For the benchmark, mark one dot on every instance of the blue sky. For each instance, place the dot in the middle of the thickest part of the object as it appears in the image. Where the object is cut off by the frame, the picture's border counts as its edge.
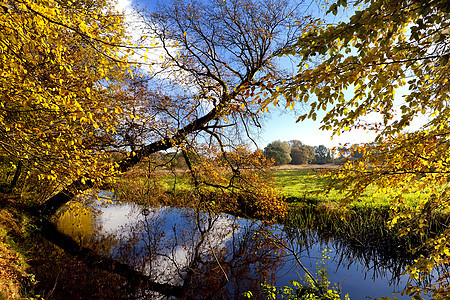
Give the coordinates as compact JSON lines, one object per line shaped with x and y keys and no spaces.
{"x":281,"y":124}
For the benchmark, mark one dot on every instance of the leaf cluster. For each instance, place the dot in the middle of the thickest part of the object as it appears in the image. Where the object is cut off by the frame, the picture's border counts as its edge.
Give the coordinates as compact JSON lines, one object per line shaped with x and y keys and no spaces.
{"x":59,"y":65}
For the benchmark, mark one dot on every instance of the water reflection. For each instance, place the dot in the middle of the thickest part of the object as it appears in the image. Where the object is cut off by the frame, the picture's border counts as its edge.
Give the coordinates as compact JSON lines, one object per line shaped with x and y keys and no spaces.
{"x":358,"y":270}
{"x":206,"y":256}
{"x":76,"y":219}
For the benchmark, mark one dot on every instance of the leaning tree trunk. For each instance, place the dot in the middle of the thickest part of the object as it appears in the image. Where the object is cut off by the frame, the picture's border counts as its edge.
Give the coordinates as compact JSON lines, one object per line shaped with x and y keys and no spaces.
{"x":52,"y":205}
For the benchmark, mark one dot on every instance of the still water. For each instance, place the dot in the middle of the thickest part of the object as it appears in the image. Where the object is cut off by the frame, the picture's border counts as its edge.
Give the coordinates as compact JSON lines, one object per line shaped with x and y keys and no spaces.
{"x":221,"y":256}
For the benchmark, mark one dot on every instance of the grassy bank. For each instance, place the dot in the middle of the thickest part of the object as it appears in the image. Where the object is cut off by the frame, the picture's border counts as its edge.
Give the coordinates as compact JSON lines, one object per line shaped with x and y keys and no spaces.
{"x":33,"y":268}
{"x":15,"y":280}
{"x":299,"y":186}
{"x":362,"y":222}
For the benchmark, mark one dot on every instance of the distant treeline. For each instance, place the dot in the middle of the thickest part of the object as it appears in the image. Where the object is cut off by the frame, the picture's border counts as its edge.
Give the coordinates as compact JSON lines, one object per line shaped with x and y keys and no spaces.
{"x":294,"y":152}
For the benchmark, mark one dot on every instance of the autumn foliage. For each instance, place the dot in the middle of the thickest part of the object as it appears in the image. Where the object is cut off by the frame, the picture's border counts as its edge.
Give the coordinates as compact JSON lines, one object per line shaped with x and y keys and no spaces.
{"x":382,"y":71}
{"x":60,"y":64}
{"x":239,"y":182}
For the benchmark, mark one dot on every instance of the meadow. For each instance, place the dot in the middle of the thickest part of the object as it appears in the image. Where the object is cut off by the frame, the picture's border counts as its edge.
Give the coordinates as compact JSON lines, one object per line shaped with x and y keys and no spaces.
{"x":300,"y":185}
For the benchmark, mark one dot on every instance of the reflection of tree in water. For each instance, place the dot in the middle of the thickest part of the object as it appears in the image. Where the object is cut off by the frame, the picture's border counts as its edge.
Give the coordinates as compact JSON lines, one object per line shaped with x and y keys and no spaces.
{"x":184,"y":254}
{"x":205,"y":255}
{"x":76,"y":220}
{"x":385,"y":256}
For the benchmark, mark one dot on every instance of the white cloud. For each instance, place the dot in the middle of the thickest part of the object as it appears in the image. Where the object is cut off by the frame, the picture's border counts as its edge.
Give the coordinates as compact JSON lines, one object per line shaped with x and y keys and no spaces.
{"x":123,"y":5}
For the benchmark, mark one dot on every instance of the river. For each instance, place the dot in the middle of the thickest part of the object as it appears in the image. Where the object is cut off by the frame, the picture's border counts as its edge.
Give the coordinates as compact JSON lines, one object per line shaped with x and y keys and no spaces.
{"x":221,"y":256}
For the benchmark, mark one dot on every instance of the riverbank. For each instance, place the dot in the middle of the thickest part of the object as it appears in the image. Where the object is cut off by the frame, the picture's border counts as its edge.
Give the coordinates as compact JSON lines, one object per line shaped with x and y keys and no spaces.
{"x":363,"y":221}
{"x":32,"y":267}
{"x":16,"y":281}
{"x":361,"y":224}
{"x":301,"y":188}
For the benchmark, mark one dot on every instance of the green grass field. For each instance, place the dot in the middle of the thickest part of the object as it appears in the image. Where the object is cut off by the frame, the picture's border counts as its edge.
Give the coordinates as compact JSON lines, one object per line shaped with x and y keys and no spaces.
{"x":297,"y":185}
{"x":300,"y":185}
